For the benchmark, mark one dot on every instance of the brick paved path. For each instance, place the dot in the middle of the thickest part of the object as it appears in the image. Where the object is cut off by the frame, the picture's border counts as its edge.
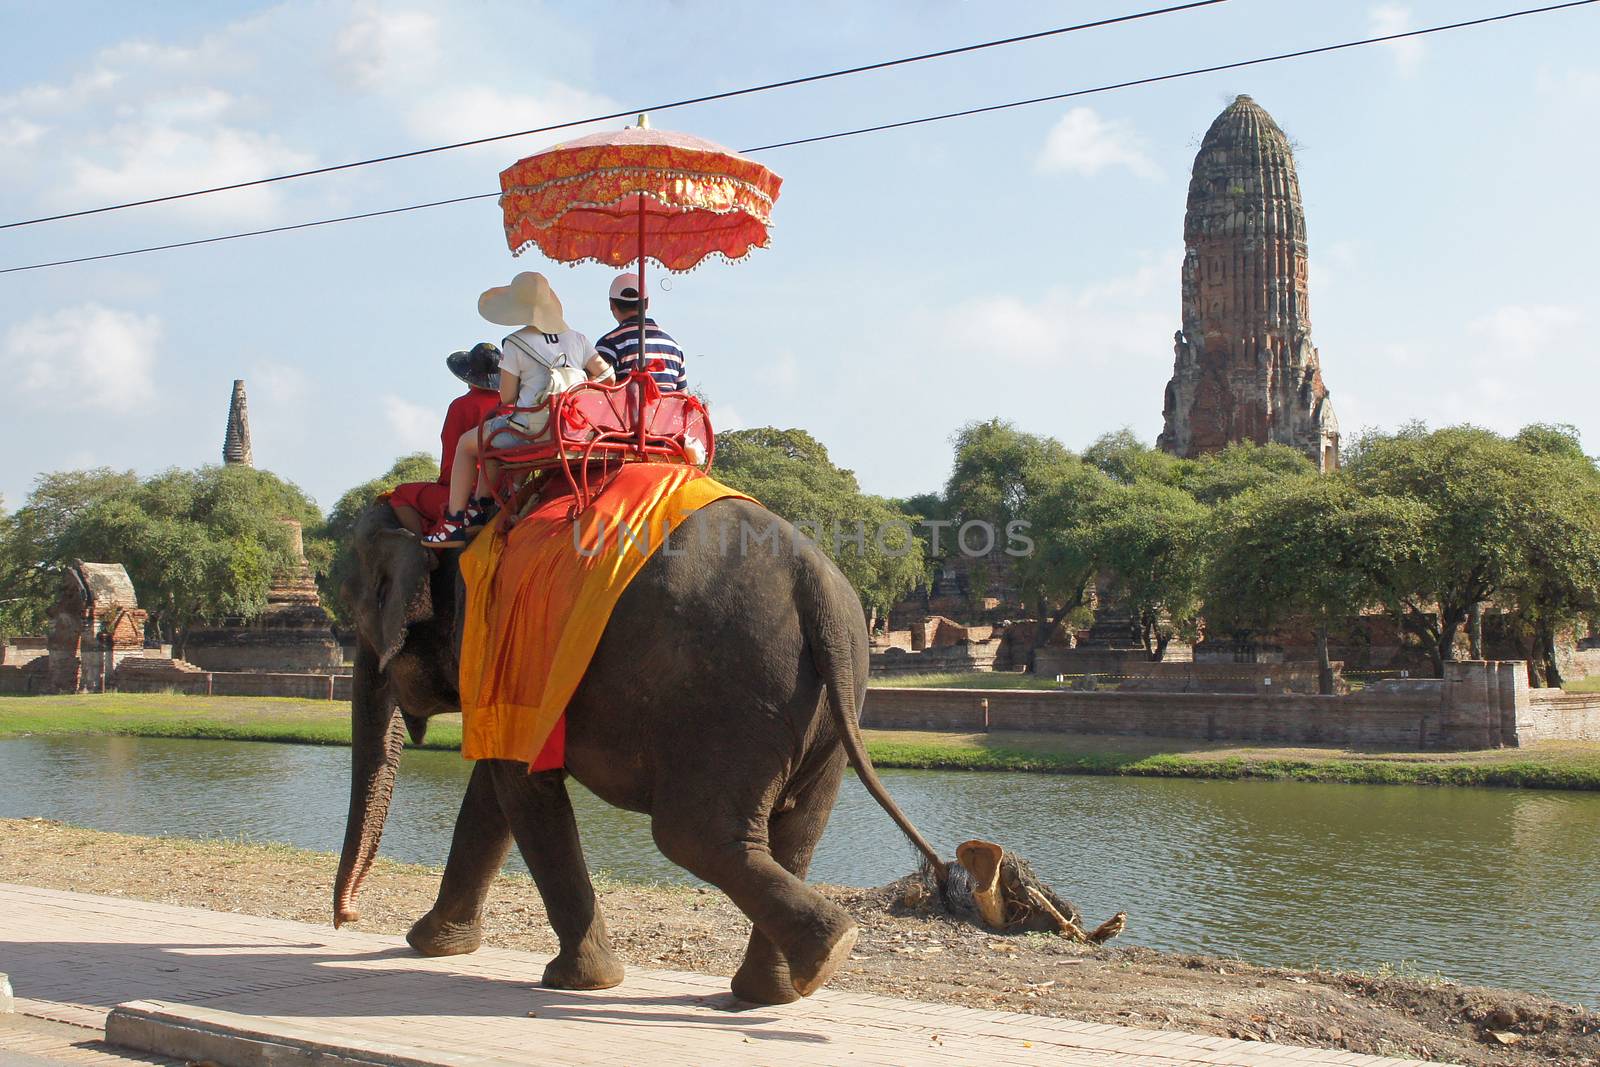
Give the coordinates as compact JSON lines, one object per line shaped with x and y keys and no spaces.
{"x":227,"y":986}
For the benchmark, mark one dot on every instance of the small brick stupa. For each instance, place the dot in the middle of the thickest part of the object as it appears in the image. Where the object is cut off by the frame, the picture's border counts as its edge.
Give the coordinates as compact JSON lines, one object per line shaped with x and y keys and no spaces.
{"x":293,"y":632}
{"x":1245,"y":368}
{"x":95,"y":624}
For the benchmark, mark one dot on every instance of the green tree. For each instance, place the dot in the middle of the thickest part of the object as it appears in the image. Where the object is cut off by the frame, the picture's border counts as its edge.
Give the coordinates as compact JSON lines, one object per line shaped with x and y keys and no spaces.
{"x":197,"y":544}
{"x":1065,"y":513}
{"x":1003,"y":475}
{"x":1127,"y":459}
{"x":1307,"y":551}
{"x":1483,"y":521}
{"x":999,"y":471}
{"x":33,"y":551}
{"x":1148,"y":539}
{"x":1559,"y":440}
{"x":790,"y":473}
{"x":335,"y":533}
{"x":1559,"y":582}
{"x":1219,"y":476}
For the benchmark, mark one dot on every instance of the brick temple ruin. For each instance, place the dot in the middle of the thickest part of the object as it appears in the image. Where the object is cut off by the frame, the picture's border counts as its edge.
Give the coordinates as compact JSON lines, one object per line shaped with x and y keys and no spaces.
{"x":97,"y":629}
{"x":293,"y":632}
{"x":1245,"y":368}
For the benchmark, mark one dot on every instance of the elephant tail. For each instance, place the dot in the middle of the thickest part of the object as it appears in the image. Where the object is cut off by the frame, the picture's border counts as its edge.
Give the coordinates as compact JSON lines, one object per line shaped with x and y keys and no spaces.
{"x":838,"y":648}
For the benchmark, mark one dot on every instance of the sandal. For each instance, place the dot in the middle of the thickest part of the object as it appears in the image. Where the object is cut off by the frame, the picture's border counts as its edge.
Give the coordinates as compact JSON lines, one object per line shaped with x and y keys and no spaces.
{"x":479,"y":512}
{"x":449,"y":533}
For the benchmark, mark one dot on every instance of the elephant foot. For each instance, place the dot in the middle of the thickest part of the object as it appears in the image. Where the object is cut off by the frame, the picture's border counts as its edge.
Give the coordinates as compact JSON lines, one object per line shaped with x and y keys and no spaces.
{"x":764,"y":984}
{"x":588,"y":968}
{"x":435,"y":937}
{"x":811,"y":969}
{"x":763,"y":977}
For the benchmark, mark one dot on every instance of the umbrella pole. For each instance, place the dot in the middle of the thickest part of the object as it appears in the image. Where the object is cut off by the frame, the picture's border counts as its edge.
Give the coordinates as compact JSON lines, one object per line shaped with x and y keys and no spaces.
{"x":643,"y":366}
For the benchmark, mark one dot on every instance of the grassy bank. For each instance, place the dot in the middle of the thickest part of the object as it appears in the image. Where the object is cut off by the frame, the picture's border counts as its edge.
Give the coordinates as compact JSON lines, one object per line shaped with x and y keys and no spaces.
{"x":1551,"y":765}
{"x":965,"y":680}
{"x":306,"y":722}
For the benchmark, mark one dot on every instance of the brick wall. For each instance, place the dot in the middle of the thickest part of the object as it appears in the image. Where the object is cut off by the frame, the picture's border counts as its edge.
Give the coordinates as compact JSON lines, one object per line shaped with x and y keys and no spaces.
{"x":1555,"y":715}
{"x":1585,"y":662}
{"x":238,"y":684}
{"x":1397,"y":720}
{"x":967,"y":656}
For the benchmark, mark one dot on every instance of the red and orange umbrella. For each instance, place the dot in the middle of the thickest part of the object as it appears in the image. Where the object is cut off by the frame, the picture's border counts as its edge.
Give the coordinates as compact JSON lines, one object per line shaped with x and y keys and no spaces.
{"x":620,"y":196}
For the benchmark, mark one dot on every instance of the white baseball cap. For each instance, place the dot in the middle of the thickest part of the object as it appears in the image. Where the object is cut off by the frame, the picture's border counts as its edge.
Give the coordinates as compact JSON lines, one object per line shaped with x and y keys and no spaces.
{"x":625,"y":287}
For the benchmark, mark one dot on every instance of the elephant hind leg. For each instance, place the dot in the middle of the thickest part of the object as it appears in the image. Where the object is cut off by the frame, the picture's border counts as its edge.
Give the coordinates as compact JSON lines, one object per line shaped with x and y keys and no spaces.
{"x":799,"y":937}
{"x":764,"y":977}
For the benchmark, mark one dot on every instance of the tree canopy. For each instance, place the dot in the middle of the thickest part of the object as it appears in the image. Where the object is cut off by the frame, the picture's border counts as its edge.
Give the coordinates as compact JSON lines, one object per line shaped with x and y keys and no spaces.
{"x":413,"y":467}
{"x":790,"y":473}
{"x":197,"y":544}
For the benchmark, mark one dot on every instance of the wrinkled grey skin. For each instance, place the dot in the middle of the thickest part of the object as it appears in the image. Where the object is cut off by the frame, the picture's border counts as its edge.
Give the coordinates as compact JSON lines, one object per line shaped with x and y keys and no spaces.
{"x":722,"y":702}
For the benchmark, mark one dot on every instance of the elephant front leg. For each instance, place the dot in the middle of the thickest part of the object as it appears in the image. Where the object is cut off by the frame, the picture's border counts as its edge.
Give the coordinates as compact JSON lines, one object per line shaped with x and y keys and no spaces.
{"x":477,"y":853}
{"x":541,"y":819}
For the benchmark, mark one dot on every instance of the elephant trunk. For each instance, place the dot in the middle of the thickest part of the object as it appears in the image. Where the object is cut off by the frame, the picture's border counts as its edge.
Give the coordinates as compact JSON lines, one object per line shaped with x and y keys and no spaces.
{"x":378,"y":734}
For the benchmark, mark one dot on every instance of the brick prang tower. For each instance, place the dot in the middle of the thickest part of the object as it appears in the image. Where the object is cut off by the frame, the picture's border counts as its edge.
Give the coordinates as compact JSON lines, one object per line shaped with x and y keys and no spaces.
{"x":1245,"y":367}
{"x":236,"y":442}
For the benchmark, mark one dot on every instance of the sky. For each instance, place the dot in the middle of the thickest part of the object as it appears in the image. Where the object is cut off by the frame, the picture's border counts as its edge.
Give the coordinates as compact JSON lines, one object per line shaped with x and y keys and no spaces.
{"x":1022,"y":264}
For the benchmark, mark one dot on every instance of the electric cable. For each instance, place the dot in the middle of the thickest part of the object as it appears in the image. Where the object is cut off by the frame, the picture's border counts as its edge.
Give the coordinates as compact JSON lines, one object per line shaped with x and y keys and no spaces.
{"x":624,"y":113}
{"x":865,"y":129}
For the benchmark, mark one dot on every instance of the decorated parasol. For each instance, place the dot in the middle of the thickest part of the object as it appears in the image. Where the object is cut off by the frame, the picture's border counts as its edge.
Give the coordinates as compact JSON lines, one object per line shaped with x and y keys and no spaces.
{"x":620,"y":196}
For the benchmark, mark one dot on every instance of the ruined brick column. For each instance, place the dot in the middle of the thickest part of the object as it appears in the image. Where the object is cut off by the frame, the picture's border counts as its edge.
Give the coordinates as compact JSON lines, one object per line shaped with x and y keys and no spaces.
{"x":1244,"y":367}
{"x":236,"y":441}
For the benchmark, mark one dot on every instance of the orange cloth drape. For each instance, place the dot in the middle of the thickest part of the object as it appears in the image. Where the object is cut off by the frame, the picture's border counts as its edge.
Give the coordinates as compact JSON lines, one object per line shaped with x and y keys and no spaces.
{"x":539,"y":598}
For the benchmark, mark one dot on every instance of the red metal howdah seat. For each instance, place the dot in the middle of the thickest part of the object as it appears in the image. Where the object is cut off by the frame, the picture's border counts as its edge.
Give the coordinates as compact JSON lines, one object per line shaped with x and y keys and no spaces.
{"x":591,"y":429}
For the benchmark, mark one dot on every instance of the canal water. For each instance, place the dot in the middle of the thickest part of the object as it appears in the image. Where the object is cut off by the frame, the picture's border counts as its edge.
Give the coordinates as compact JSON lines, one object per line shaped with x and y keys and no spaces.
{"x":1480,"y":885}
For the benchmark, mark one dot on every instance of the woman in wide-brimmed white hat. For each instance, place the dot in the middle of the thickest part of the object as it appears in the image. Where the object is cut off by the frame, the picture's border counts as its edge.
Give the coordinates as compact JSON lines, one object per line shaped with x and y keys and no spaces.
{"x":545,"y":356}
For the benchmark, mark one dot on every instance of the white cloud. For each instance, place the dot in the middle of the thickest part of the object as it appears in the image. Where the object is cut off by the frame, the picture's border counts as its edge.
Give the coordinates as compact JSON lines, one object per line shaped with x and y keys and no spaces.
{"x":466,"y":111}
{"x":1084,"y":143}
{"x":283,"y":384}
{"x":141,"y":119}
{"x":18,"y":132}
{"x":1515,"y":333}
{"x":1105,"y":324}
{"x":1392,"y":18}
{"x":152,"y":157}
{"x":377,"y":47}
{"x":415,"y":427}
{"x":92,"y":354}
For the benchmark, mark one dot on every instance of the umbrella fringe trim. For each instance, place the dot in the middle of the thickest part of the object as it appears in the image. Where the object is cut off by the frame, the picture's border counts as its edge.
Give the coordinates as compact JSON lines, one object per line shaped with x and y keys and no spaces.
{"x":717,"y":254}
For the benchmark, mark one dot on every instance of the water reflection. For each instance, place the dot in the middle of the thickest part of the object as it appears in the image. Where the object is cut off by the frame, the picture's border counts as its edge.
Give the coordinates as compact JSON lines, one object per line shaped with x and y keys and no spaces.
{"x":1483,"y":885}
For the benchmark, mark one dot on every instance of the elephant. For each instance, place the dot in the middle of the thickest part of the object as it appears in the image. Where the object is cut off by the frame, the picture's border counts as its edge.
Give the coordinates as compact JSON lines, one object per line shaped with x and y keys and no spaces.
{"x":722,"y":701}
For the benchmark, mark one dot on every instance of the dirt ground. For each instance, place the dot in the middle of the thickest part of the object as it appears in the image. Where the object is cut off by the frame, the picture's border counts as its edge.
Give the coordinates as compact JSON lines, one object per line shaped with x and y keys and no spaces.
{"x":902,"y":952}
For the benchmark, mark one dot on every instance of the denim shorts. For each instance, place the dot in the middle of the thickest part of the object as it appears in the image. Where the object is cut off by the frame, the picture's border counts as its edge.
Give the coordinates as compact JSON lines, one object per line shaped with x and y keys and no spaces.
{"x":495,"y":434}
{"x":501,"y":432}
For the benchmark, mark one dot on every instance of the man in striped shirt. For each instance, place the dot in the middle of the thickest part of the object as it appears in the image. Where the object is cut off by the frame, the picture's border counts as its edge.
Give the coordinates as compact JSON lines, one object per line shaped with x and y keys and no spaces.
{"x":620,"y":347}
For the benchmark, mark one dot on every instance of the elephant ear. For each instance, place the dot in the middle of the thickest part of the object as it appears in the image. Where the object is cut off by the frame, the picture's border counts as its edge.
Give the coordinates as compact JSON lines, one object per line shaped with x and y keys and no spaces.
{"x":390,"y":590}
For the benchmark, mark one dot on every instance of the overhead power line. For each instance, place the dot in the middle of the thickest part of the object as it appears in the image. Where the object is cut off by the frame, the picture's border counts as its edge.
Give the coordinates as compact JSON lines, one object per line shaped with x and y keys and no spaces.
{"x":1153,"y":79}
{"x":253,"y":233}
{"x":625,"y":113}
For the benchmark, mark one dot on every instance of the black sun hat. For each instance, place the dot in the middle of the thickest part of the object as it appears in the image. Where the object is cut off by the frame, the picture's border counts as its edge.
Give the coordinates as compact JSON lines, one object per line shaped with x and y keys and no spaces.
{"x":480,"y":367}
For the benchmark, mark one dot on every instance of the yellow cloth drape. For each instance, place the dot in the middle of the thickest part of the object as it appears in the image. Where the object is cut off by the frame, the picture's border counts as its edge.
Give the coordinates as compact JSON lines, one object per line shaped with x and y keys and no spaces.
{"x":539,"y":598}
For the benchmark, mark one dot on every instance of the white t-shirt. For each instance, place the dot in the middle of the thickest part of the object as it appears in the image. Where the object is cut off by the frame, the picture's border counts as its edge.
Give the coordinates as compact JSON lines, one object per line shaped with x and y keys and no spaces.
{"x":531,"y":355}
